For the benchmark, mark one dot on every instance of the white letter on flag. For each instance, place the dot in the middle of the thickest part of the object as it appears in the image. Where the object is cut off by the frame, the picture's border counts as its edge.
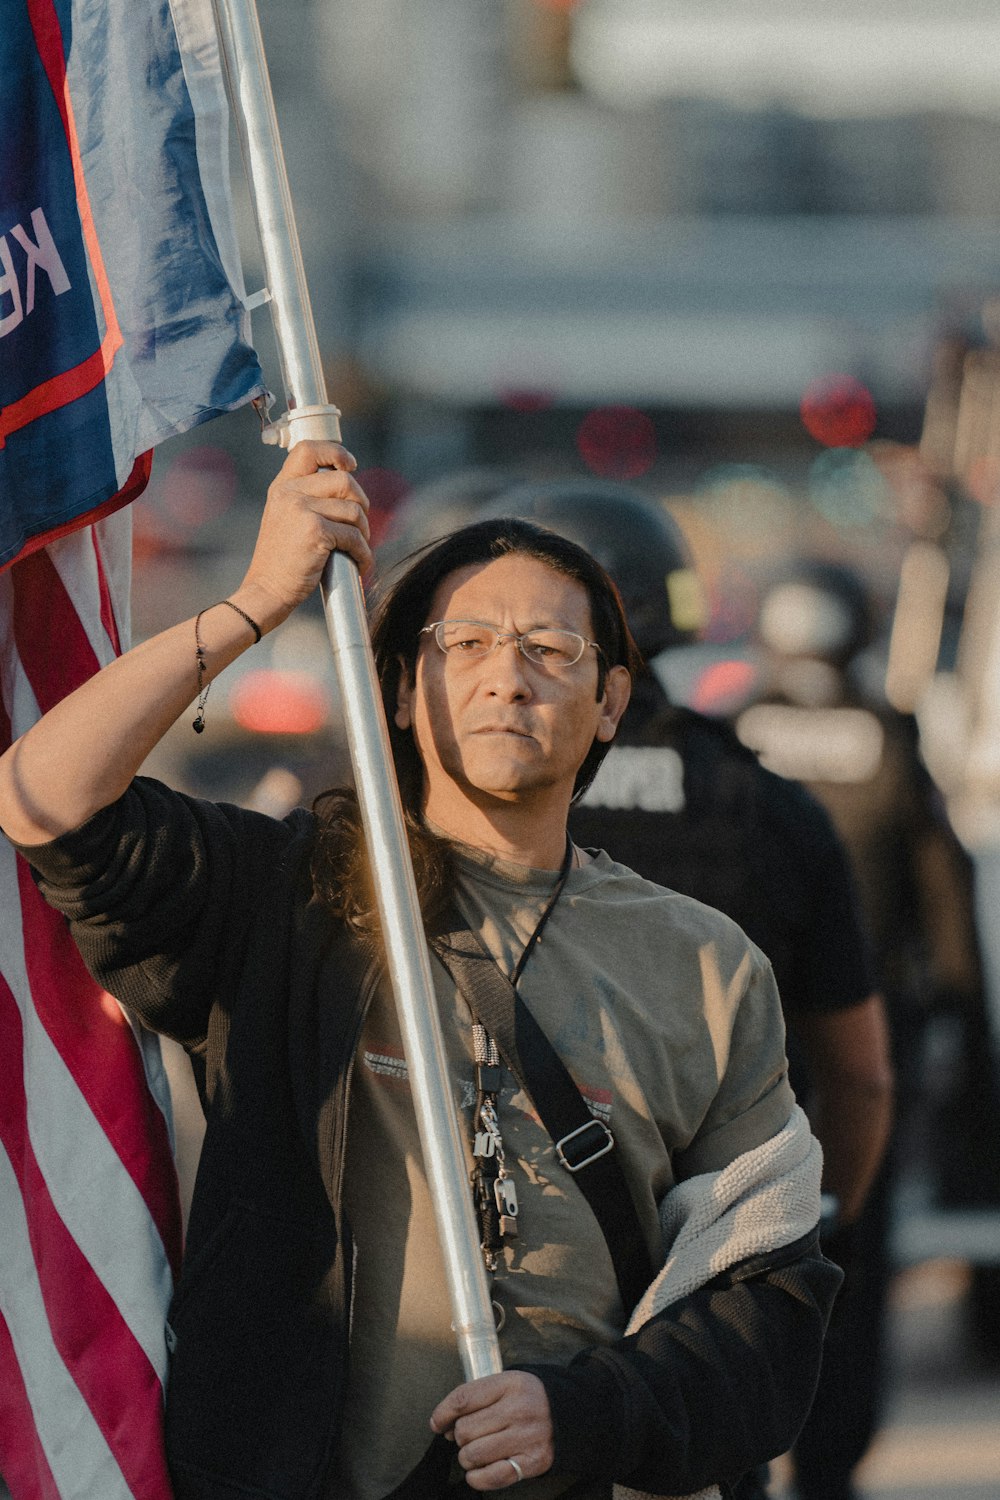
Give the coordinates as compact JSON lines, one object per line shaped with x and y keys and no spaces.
{"x":9,"y":287}
{"x":42,"y":252}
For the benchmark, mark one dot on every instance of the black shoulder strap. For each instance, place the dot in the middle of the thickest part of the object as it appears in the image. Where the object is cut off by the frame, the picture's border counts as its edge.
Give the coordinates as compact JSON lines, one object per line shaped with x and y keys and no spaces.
{"x":585,"y":1147}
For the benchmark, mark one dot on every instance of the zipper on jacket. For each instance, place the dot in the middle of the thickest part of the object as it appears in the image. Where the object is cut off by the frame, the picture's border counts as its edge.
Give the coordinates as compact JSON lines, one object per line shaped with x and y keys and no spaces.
{"x":369,"y":984}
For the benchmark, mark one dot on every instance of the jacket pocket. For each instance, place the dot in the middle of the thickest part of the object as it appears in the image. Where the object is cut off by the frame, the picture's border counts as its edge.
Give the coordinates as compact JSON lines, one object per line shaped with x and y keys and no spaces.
{"x":257,"y":1336}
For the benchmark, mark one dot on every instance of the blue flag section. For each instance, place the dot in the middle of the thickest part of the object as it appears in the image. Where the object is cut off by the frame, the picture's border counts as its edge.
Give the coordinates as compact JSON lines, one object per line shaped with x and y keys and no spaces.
{"x":122,"y":317}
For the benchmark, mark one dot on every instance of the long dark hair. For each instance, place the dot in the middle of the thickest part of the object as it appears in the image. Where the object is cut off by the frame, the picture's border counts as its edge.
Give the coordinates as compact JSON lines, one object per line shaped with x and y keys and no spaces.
{"x":341,"y":877}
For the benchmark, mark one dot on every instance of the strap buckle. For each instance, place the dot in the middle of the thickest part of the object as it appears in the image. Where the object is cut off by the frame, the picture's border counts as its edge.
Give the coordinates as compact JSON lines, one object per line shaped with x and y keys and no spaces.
{"x":607,"y":1142}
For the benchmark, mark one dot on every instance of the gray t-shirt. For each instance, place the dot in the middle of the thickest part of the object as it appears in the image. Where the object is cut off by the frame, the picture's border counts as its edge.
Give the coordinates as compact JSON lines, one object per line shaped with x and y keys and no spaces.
{"x":669,"y":1021}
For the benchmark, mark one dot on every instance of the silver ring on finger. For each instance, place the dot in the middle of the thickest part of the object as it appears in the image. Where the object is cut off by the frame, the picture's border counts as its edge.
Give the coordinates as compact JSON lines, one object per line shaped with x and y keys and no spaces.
{"x":517,"y":1469}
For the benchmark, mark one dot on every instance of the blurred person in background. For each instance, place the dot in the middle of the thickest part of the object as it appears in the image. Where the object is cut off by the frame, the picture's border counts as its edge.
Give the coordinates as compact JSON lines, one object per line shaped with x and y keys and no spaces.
{"x":814,"y":721}
{"x":682,"y":801}
{"x":436,"y":507}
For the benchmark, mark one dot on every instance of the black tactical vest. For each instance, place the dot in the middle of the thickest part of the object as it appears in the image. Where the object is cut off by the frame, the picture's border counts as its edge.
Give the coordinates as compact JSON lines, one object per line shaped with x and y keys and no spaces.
{"x":679,"y":800}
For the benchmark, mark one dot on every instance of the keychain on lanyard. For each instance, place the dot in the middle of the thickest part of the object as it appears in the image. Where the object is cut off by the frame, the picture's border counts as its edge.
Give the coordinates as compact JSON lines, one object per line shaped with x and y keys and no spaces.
{"x":493,"y":1190}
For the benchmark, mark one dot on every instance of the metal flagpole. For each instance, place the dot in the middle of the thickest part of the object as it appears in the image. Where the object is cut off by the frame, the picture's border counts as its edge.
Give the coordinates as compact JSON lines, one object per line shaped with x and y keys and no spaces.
{"x":310,"y":415}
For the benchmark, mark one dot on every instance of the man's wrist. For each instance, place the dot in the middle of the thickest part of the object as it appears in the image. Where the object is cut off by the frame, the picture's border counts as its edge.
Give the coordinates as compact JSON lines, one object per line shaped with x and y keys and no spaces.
{"x":587,"y":1409}
{"x":257,"y":601}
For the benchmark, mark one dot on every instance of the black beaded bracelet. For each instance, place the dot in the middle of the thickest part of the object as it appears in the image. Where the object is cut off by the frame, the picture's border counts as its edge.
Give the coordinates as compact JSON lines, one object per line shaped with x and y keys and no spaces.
{"x":198,"y":723}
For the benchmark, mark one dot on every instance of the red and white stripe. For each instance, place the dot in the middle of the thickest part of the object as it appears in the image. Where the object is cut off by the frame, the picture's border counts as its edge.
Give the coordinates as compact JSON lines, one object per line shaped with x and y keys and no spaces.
{"x":89,"y":1214}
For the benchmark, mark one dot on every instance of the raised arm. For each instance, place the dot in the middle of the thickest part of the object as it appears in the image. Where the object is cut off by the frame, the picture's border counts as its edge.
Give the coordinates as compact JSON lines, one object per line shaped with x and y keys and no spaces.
{"x":83,"y":753}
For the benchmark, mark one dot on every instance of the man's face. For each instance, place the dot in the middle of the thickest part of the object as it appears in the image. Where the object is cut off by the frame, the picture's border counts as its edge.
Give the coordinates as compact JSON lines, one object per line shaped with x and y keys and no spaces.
{"x":503,"y":728}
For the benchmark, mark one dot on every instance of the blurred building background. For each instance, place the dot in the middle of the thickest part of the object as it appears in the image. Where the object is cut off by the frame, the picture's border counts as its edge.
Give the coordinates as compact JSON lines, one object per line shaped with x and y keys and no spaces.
{"x":742,"y":253}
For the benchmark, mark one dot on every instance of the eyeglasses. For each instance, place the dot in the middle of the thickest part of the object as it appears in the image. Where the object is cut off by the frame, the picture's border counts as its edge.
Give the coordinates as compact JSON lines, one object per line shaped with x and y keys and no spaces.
{"x":471,"y":640}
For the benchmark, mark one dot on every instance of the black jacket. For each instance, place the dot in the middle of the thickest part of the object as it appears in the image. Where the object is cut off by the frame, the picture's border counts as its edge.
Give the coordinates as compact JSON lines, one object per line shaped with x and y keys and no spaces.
{"x":200,"y":918}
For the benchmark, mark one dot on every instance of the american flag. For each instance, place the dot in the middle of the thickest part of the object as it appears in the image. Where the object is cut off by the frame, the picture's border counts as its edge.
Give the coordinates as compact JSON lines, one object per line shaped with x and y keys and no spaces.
{"x":122,"y":322}
{"x":89,"y":1212}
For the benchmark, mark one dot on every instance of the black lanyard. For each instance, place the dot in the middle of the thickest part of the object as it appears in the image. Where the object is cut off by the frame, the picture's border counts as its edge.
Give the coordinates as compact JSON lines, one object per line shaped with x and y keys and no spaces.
{"x":549,"y":908}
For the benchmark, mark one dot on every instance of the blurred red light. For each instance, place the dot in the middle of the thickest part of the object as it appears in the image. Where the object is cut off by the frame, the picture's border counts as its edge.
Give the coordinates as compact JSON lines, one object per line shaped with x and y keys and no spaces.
{"x":617,"y":442}
{"x":520,"y":399}
{"x":723,"y":687}
{"x":838,"y":411}
{"x":270,"y":702}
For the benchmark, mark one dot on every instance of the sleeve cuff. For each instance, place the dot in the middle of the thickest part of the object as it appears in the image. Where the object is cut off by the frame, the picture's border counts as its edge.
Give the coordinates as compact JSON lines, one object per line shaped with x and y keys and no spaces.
{"x":588,"y":1416}
{"x":75,"y":854}
{"x":714,"y":1151}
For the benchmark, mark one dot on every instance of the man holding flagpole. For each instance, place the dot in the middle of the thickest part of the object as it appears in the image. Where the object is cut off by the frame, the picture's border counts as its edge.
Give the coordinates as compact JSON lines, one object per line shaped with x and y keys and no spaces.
{"x":647,"y":1190}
